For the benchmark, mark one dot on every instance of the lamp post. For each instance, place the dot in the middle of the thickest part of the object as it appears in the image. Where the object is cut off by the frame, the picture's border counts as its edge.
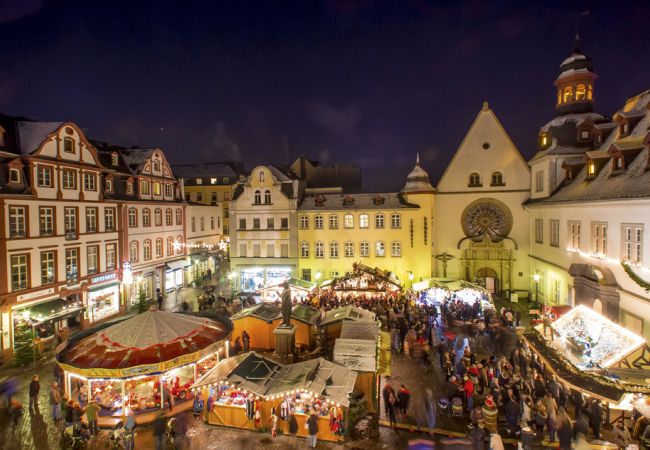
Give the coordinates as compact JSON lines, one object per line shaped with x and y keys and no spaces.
{"x":536,"y":277}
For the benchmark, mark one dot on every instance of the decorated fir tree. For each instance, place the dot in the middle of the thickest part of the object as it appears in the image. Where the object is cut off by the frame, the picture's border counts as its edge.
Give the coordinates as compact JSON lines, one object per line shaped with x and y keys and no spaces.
{"x":143,"y":305}
{"x":24,"y":345}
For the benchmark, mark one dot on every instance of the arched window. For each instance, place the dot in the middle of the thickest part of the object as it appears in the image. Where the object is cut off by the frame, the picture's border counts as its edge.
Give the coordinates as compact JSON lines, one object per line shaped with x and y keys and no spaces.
{"x":334,"y":249}
{"x":169,"y":219}
{"x":257,"y":199}
{"x":349,"y":249}
{"x":146,"y":217}
{"x":380,"y":248}
{"x":348,"y":221}
{"x":156,"y":165}
{"x":363,"y":220}
{"x":68,"y":145}
{"x":304,"y":249}
{"x":364,"y":249}
{"x":568,"y":94}
{"x":179,"y":216}
{"x":334,"y":222}
{"x":267,"y":197}
{"x":395,"y":221}
{"x":396,"y":248}
{"x":590,"y":92}
{"x":179,"y":245}
{"x":133,"y":251}
{"x":318,"y":222}
{"x":559,"y":96}
{"x":158,"y":217}
{"x":159,"y":248}
{"x":304,"y":222}
{"x":497,"y":179}
{"x":581,"y":92}
{"x":474,"y":179}
{"x":379,"y":221}
{"x":146,"y":249}
{"x":133,"y":217}
{"x":261,"y":177}
{"x":170,"y":246}
{"x":319,"y":250}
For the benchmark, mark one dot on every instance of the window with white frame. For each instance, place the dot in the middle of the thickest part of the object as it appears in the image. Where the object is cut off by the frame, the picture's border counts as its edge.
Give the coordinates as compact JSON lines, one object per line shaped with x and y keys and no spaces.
{"x":179,"y":217}
{"x":193,"y":224}
{"x":170,"y":246}
{"x":133,"y":217}
{"x":91,"y":220}
{"x":554,"y":226}
{"x":92,"y":259}
{"x":599,"y":238}
{"x":169,"y":217}
{"x":304,"y":222}
{"x":349,"y":249}
{"x":539,"y":181}
{"x":363,"y":220}
{"x":48,"y":269}
{"x":19,"y":272}
{"x":159,"y":248}
{"x":111,"y":255}
{"x":146,"y":249}
{"x":396,"y":248}
{"x":157,"y":217}
{"x":90,"y":182}
{"x":133,"y":251}
{"x":379,"y":221}
{"x":319,"y":250}
{"x":146,"y":217}
{"x":69,"y":179}
{"x":318,"y":222}
{"x":144,"y":187}
{"x":334,"y":222}
{"x":70,"y":218}
{"x":574,"y":234}
{"x":380,"y":248}
{"x":395,"y":221}
{"x":304,"y":249}
{"x":539,"y":231}
{"x":267,"y":197}
{"x":46,"y":221}
{"x":348,"y":221}
{"x":44,"y":176}
{"x":632,"y":242}
{"x":364,"y":249}
{"x":17,"y":221}
{"x":334,"y":249}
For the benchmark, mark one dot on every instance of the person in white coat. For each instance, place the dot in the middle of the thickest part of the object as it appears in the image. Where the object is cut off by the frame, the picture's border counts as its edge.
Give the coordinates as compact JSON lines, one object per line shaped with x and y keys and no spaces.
{"x":495,"y":442}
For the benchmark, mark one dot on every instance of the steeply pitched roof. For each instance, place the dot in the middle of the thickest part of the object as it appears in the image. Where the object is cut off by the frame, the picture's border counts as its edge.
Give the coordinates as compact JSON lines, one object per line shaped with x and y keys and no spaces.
{"x":354,"y":202}
{"x":214,"y":169}
{"x":32,"y":134}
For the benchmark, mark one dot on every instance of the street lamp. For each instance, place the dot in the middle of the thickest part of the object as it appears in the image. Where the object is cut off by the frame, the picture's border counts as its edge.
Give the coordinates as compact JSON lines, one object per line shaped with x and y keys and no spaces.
{"x":536,"y":278}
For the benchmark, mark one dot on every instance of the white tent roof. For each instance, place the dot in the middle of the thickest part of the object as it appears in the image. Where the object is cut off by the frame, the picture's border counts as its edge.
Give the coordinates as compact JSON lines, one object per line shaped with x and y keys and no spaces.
{"x":356,"y":354}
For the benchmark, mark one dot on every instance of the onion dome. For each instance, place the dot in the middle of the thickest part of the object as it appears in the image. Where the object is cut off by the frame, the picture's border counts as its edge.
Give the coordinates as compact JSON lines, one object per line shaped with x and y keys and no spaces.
{"x":418,"y":179}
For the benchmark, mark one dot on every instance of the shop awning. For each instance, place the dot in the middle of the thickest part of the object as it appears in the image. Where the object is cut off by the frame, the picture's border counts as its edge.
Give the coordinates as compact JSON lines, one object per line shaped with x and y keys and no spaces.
{"x":54,"y":310}
{"x":178,"y":264}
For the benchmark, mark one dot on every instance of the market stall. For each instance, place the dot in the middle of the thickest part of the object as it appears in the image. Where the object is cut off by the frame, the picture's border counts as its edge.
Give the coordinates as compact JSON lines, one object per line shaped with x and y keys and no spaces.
{"x":440,"y":290}
{"x":300,"y":290}
{"x":258,"y":321}
{"x":141,"y":363}
{"x":333,"y":320}
{"x":363,"y":281}
{"x":305,"y":319}
{"x":242,"y":392}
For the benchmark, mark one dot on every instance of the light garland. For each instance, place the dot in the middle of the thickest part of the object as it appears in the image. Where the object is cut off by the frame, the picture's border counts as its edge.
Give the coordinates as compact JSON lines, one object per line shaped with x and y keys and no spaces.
{"x":600,"y":257}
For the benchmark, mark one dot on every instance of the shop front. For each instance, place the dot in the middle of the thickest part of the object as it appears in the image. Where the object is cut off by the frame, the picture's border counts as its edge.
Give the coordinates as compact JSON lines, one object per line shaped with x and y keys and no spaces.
{"x":103,"y":298}
{"x":255,"y":278}
{"x":142,"y":283}
{"x":174,"y":274}
{"x":246,"y":390}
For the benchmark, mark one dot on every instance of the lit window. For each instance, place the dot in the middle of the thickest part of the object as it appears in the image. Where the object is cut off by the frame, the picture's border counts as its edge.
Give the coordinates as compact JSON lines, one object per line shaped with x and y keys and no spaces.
{"x":544,"y":140}
{"x":157,"y":188}
{"x":363,"y":221}
{"x":364,"y":249}
{"x":319,"y":250}
{"x":581,"y":92}
{"x":568,"y":94}
{"x":348,"y":221}
{"x":589,"y":92}
{"x":380,"y":248}
{"x":213,"y":181}
{"x":114,"y":159}
{"x":584,"y":135}
{"x":591,"y":169}
{"x":199,"y":181}
{"x":349,"y":249}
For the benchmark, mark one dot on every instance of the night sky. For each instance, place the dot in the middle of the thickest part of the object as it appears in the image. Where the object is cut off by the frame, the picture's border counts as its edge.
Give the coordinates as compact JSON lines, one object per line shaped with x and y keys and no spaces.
{"x":366,"y":82}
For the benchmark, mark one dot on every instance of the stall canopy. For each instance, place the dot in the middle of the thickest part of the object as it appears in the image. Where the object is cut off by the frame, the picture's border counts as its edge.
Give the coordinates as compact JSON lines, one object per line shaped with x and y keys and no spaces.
{"x":151,"y":342}
{"x":364,"y":278}
{"x":348,"y":313}
{"x":597,"y":339}
{"x":360,"y":330}
{"x":356,"y":354}
{"x":262,"y":311}
{"x":299,"y":288}
{"x":54,"y":310}
{"x":266,"y":378}
{"x":305,"y":314}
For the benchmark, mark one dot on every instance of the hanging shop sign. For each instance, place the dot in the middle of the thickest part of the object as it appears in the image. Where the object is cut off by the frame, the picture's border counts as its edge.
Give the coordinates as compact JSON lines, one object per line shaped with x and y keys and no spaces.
{"x":103,"y":278}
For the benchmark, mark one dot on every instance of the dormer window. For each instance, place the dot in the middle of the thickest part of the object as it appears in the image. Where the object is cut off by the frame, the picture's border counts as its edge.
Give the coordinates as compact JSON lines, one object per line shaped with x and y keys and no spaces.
{"x":624,"y":129}
{"x":114,"y":159}
{"x":619,"y":163}
{"x":475,"y":180}
{"x":261,"y":177}
{"x":156,"y":165}
{"x":591,"y":168}
{"x":129,"y":187}
{"x":543,"y":141}
{"x":108,"y":185}
{"x":14,"y":175}
{"x":68,"y":145}
{"x":584,"y":135}
{"x":598,"y":139}
{"x":2,"y":137}
{"x":199,"y":181}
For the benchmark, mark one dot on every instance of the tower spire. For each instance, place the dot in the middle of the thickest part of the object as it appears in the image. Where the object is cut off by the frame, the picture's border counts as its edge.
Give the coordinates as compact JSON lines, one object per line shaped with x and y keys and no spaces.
{"x":417,"y":158}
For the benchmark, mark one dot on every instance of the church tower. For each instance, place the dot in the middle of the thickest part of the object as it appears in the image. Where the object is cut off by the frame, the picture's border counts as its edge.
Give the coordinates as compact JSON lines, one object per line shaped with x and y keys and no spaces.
{"x":575,"y":84}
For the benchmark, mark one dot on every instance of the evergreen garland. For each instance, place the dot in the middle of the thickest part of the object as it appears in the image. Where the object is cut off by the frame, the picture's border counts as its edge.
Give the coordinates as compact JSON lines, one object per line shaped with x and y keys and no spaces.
{"x":637,"y":279}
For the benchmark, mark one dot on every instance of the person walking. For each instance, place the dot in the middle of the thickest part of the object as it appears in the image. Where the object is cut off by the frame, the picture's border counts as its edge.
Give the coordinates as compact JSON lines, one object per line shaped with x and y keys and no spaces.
{"x":596,"y":418}
{"x":55,"y":402}
{"x":403,"y":399}
{"x":312,"y":428}
{"x":159,"y":299}
{"x":293,"y":429}
{"x":386,"y":392}
{"x":430,"y":410}
{"x":478,"y":436}
{"x":622,"y":436}
{"x":34,"y":390}
{"x":180,"y":432}
{"x":91,"y":415}
{"x":564,"y":429}
{"x":159,"y":431}
{"x":129,"y":430}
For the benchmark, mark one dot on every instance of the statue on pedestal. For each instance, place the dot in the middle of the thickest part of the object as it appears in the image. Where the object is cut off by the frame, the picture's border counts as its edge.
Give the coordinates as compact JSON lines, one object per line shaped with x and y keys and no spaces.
{"x":286,"y":306}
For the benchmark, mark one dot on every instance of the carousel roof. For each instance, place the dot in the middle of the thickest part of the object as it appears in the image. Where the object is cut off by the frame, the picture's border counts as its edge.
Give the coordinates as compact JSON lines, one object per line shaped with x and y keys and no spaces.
{"x":148,"y":339}
{"x":265,"y":377}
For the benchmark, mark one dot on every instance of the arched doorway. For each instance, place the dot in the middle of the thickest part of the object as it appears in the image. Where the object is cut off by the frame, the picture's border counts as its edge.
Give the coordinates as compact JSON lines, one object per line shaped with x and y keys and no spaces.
{"x":489,"y":278}
{"x":596,"y":287}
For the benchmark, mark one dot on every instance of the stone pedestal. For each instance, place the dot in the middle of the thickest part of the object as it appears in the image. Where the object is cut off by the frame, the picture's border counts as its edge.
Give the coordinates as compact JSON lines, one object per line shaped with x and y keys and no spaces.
{"x":285,"y":341}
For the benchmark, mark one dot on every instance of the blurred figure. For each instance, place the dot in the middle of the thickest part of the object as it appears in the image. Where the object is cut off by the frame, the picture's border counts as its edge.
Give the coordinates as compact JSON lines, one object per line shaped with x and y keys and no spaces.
{"x":34,"y":390}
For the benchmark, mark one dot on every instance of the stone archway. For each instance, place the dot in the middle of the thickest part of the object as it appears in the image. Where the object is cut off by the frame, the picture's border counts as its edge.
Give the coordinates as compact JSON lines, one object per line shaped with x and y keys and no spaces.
{"x":490,"y":278}
{"x":596,"y":287}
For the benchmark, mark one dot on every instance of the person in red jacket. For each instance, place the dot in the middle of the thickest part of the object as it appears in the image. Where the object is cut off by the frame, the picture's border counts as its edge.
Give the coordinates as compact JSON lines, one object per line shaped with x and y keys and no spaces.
{"x":403,"y":399}
{"x":468,"y":387}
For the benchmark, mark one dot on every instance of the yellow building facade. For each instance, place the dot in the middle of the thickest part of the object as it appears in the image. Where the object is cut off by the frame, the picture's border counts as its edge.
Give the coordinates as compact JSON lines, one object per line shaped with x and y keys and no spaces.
{"x":390,"y":231}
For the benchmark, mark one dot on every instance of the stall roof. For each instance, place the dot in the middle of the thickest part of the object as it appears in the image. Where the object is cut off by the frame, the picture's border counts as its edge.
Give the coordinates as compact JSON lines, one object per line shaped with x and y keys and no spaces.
{"x":348,"y":313}
{"x":265,"y":377}
{"x":356,"y":354}
{"x":360,"y":330}
{"x":262,"y":311}
{"x":305,"y":314}
{"x":293,"y":282}
{"x":376,"y":279}
{"x":610,"y":342}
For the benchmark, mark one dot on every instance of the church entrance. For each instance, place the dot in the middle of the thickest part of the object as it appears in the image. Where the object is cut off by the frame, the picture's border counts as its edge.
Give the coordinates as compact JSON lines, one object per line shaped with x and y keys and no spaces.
{"x":488,"y":278}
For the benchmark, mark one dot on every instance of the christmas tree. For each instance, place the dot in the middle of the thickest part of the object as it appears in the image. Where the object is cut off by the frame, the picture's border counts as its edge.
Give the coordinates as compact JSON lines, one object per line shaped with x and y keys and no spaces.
{"x":143,"y":305}
{"x":24,"y":345}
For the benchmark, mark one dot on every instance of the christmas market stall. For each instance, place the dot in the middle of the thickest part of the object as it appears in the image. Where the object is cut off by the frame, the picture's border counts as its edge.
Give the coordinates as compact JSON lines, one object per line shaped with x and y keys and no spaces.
{"x":334,"y":318}
{"x":258,"y":321}
{"x":300,"y":290}
{"x":440,"y":290}
{"x":363,"y":281}
{"x":581,"y":346}
{"x":305,"y":319}
{"x":246,"y":390}
{"x":125,"y":365}
{"x":359,"y":348}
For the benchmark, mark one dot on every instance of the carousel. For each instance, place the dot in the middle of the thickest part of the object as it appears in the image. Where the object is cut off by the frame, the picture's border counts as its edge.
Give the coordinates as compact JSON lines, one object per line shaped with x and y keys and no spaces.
{"x":142,"y":363}
{"x":363,"y":281}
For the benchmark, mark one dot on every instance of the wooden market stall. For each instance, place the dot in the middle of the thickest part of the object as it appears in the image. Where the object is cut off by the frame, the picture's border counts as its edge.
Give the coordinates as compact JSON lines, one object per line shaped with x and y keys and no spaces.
{"x":258,"y":321}
{"x":305,"y":319}
{"x":334,"y":319}
{"x":242,"y":392}
{"x":141,"y":363}
{"x":363,"y":281}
